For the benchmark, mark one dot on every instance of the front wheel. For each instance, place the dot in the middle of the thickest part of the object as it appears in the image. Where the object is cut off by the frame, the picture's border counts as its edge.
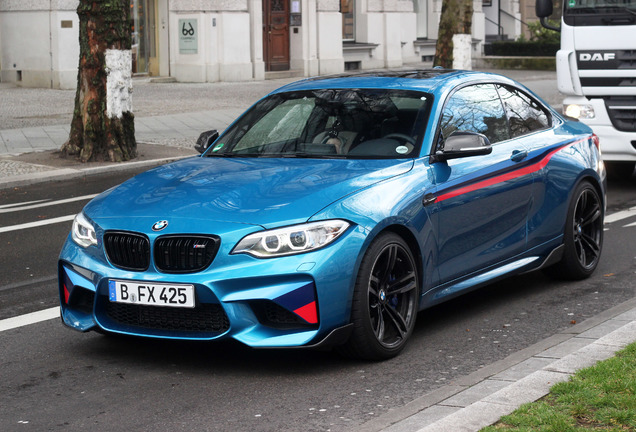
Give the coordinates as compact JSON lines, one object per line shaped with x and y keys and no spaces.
{"x":583,"y":237}
{"x":385,"y":300}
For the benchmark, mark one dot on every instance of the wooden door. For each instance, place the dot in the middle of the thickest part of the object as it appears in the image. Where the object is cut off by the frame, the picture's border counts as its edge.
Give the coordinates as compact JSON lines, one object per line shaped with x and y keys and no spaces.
{"x":276,"y":34}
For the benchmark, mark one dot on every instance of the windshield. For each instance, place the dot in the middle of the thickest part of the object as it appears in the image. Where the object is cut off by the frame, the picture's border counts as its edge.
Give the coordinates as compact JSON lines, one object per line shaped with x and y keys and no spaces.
{"x":331,"y":123}
{"x":599,"y":12}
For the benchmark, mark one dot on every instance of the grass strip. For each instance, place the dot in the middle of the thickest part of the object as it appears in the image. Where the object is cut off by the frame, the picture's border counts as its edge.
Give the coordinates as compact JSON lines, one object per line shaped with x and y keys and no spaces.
{"x":599,"y":398}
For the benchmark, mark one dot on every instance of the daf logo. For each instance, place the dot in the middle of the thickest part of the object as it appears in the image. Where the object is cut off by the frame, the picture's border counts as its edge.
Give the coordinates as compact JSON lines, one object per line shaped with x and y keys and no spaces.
{"x":158,"y":226}
{"x":597,"y":56}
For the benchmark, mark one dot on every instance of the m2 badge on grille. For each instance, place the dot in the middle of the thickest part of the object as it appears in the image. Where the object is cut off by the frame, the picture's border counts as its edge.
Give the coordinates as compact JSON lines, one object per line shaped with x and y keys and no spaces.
{"x":151,"y":294}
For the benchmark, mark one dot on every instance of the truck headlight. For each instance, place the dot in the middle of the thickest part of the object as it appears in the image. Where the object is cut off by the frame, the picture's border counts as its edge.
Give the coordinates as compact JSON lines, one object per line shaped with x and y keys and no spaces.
{"x":579,"y":111}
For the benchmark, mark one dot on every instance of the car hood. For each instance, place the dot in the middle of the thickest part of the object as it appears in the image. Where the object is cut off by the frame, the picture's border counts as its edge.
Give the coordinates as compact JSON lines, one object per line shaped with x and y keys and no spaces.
{"x":258,"y":191}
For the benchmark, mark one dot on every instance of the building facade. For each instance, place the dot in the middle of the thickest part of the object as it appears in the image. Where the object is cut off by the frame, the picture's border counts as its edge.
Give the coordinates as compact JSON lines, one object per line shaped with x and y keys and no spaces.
{"x":238,"y":40}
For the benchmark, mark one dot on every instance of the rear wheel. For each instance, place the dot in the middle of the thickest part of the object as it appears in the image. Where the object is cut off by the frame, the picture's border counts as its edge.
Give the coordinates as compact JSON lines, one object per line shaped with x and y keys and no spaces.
{"x":385,"y":300}
{"x":583,"y":237}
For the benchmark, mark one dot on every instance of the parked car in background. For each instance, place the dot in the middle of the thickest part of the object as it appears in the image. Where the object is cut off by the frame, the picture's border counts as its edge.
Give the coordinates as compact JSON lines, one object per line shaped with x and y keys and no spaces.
{"x":335,"y":209}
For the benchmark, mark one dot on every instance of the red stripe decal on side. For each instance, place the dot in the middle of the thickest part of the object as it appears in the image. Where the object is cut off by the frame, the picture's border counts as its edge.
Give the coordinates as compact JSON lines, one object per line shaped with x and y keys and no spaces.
{"x":504,"y":177}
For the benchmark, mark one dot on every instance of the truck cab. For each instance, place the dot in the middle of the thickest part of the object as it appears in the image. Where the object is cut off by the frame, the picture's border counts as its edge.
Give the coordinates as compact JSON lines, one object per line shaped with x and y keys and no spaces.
{"x":596,"y":71}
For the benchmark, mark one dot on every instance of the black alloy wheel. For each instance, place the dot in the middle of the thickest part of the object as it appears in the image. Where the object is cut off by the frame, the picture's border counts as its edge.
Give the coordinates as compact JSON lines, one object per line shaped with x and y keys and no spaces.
{"x":385,"y":300}
{"x":583,"y":237}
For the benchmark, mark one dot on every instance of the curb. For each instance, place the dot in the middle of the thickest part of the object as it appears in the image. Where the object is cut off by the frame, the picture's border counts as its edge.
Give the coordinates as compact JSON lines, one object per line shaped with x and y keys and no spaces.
{"x":479,"y":399}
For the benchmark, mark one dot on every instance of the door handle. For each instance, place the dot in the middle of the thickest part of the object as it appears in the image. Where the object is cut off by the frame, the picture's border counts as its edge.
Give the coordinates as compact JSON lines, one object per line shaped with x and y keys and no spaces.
{"x":428,"y":199}
{"x":518,"y":155}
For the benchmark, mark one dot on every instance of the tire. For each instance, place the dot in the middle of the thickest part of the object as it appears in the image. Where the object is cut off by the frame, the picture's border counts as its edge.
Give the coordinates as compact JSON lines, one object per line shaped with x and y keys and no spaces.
{"x":583,"y":237}
{"x":385,"y":300}
{"x":619,"y":170}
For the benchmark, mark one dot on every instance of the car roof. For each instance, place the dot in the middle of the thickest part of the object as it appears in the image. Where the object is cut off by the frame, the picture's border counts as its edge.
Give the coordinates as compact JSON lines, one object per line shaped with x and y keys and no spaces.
{"x":426,"y":80}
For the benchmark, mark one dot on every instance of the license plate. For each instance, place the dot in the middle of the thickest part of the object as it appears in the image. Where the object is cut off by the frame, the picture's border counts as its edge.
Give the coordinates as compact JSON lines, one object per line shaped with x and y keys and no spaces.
{"x":151,"y":294}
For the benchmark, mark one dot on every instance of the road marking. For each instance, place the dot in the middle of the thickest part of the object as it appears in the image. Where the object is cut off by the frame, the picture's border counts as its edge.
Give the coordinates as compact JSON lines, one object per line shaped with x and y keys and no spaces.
{"x":37,"y":224}
{"x":4,"y":206}
{"x":29,"y":282}
{"x":623,"y":214}
{"x":30,"y":318}
{"x":633,"y":224}
{"x":37,"y":204}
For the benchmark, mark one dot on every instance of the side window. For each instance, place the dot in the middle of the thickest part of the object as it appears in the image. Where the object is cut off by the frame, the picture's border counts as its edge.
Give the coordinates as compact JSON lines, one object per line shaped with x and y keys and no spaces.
{"x":524,"y":114}
{"x":476,"y":108}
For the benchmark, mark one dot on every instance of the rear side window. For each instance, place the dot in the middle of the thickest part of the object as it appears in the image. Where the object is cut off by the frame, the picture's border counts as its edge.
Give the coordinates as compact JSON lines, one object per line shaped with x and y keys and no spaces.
{"x":525,"y":115}
{"x":476,"y":108}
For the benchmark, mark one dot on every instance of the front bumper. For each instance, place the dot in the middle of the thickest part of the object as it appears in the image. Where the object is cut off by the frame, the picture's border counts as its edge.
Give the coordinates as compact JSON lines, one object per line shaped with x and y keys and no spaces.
{"x":283,"y":302}
{"x":616,"y":145}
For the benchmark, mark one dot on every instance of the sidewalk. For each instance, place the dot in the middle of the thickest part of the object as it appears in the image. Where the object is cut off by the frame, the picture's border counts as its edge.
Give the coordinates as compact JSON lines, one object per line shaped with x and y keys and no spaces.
{"x":28,"y":155}
{"x":480,"y":399}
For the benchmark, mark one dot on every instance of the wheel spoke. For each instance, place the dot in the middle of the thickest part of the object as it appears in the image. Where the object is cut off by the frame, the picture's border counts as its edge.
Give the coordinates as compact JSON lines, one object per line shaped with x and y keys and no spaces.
{"x":580,"y":251}
{"x":591,"y":215}
{"x":403,"y":285}
{"x":398,"y":321}
{"x":389,"y":264}
{"x":374,"y":285}
{"x":379,"y":324}
{"x":590,"y":244}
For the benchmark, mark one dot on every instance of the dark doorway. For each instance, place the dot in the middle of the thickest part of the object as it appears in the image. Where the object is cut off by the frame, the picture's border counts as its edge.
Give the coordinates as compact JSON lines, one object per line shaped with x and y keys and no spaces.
{"x":276,"y":35}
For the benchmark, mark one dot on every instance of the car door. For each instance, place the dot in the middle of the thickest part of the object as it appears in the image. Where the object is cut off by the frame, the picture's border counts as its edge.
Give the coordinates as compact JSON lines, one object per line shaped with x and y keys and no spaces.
{"x":481,"y":201}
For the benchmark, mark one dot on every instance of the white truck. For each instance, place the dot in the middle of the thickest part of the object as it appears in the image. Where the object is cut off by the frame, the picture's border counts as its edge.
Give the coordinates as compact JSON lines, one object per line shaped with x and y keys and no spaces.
{"x":596,"y":70}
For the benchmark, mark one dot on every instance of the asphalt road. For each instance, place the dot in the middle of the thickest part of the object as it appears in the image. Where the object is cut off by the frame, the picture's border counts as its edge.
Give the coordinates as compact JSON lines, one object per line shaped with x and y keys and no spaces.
{"x":53,"y":378}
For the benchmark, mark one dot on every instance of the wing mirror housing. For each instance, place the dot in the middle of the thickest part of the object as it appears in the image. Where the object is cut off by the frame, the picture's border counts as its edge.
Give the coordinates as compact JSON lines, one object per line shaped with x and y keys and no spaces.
{"x":543,"y":9}
{"x":205,"y":140}
{"x":464,"y":144}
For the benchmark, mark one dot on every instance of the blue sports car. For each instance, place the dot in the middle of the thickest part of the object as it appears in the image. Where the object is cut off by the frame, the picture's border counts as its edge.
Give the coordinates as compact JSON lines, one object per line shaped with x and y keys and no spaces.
{"x":335,"y":209}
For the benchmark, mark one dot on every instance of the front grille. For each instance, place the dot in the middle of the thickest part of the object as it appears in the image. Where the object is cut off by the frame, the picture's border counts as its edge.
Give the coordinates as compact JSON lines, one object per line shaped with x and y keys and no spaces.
{"x":185,"y":254}
{"x":204,"y":318}
{"x":606,"y":59}
{"x":622,"y":112}
{"x":127,"y":250}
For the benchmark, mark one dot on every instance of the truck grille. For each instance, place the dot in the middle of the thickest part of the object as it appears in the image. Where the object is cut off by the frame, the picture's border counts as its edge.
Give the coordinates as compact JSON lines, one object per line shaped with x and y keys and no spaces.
{"x":622,"y":112}
{"x":128,"y":251}
{"x":606,"y":59}
{"x":205,"y":318}
{"x":185,"y":254}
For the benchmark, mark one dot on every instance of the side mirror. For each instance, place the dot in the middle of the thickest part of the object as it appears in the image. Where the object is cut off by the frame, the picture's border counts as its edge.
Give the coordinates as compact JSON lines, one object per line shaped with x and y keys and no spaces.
{"x":543,"y":9}
{"x":464,"y":144}
{"x":205,"y":139}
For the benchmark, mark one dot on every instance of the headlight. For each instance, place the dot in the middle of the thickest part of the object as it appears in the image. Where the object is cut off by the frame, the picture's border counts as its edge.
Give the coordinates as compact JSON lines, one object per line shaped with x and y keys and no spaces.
{"x":291,"y":240}
{"x":83,"y":232}
{"x":579,"y":111}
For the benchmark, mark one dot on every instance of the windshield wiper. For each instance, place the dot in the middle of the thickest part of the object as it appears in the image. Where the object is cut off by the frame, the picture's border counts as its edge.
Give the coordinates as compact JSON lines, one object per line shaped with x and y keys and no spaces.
{"x":312,"y":156}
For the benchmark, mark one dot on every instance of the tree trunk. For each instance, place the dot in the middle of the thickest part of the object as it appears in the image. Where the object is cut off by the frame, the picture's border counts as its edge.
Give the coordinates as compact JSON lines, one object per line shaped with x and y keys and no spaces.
{"x":456,"y":18}
{"x":103,"y":127}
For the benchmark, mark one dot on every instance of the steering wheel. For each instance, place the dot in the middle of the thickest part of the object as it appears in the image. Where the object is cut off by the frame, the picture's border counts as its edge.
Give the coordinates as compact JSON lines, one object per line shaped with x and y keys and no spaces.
{"x":405,"y":137}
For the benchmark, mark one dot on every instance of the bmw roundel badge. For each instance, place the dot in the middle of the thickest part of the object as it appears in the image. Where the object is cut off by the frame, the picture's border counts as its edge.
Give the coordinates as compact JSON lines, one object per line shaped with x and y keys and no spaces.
{"x":158,"y":226}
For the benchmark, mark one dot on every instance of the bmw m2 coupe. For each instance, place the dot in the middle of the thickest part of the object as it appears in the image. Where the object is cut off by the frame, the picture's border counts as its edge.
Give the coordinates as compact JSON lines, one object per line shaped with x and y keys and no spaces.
{"x":335,"y":209}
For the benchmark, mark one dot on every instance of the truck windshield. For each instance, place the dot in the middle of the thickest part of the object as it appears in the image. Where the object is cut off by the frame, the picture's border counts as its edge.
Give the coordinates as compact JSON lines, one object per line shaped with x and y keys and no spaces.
{"x":599,"y":12}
